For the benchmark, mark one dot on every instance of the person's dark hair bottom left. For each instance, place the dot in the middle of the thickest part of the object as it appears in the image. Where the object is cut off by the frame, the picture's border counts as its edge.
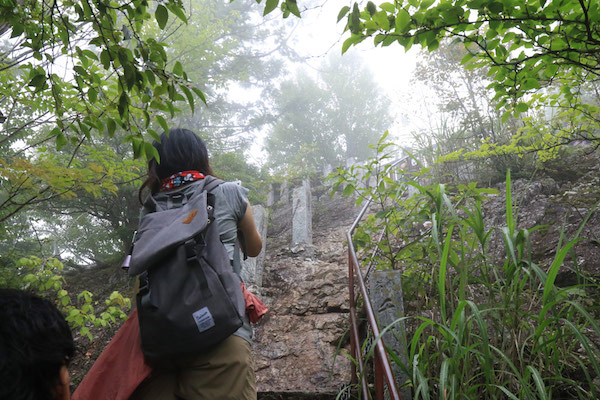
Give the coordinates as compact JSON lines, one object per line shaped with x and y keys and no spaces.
{"x":36,"y":345}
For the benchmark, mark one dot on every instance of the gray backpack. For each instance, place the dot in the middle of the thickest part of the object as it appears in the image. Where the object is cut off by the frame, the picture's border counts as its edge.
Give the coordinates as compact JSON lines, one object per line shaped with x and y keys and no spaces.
{"x":190,"y":298}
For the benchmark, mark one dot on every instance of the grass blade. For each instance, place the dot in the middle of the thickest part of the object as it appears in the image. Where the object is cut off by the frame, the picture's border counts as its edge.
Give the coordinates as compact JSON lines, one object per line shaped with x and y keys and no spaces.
{"x":553,"y":271}
{"x":442,"y":274}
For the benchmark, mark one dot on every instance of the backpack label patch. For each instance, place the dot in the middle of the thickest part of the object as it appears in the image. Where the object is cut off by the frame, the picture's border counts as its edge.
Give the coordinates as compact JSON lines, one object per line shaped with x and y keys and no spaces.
{"x":204,"y":319}
{"x":190,"y":217}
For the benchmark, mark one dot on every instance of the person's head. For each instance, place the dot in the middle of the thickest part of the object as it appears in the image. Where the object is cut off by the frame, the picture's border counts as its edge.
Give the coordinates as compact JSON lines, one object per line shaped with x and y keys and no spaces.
{"x":180,"y":150}
{"x":36,"y":345}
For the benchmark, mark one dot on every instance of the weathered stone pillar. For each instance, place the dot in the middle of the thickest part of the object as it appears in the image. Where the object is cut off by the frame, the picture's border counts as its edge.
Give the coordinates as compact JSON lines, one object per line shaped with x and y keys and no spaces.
{"x":271,"y":196}
{"x":285,"y":192}
{"x":302,"y":215}
{"x":274,"y":195}
{"x":385,"y":289}
{"x":252,"y":268}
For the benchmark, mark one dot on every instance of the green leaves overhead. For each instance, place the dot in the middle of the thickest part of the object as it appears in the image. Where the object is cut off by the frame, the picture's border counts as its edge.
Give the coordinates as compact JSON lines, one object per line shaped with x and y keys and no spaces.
{"x":120,"y":76}
{"x":529,"y":43}
{"x":287,"y":7}
{"x":343,"y":12}
{"x":270,"y":5}
{"x":162,"y":16}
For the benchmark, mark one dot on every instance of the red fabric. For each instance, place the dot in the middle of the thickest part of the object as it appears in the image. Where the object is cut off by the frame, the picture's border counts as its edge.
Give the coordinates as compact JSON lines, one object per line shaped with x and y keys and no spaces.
{"x":179,"y":179}
{"x":119,"y":369}
{"x":254,"y":307}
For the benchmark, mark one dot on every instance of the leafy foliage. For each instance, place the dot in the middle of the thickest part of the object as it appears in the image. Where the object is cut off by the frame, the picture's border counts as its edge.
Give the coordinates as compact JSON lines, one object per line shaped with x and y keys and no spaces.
{"x":44,"y":277}
{"x":87,"y":66}
{"x":498,"y":327}
{"x":540,"y":57}
{"x":524,"y":43}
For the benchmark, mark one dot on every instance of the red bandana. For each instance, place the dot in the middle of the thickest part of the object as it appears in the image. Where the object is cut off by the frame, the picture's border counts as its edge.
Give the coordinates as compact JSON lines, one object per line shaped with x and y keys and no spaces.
{"x":179,"y":179}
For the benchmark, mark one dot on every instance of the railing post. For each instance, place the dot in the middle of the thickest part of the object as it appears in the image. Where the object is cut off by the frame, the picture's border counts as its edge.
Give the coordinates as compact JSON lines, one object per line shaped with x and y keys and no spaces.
{"x":379,"y":392}
{"x":353,"y":340}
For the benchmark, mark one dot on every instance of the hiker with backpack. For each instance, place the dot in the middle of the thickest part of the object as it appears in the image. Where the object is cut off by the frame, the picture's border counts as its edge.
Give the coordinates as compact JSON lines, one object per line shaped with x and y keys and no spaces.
{"x":194,"y":228}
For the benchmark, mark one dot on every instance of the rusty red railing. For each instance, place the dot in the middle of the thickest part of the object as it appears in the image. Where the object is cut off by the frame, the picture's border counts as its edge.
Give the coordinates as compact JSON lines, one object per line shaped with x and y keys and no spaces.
{"x":383,"y":374}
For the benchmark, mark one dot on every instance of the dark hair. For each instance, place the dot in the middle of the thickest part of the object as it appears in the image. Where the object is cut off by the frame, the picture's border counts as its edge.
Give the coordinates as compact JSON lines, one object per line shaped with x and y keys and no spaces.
{"x":180,"y":150}
{"x":35,"y":342}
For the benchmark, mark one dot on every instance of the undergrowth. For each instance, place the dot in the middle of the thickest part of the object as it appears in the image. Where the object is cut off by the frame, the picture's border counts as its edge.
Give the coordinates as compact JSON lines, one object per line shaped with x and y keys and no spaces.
{"x":498,"y":327}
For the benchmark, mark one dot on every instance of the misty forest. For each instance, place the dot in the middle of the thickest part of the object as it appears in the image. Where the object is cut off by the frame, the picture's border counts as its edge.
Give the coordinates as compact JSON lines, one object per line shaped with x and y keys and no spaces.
{"x":445,"y":152}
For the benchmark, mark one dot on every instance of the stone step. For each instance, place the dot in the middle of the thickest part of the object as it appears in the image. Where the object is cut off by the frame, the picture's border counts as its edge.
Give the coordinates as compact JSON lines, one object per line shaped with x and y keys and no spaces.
{"x":294,"y":395}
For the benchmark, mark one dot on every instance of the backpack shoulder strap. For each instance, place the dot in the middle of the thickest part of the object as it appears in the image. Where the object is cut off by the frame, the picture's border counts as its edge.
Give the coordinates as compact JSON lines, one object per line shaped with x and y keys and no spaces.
{"x":211,"y":183}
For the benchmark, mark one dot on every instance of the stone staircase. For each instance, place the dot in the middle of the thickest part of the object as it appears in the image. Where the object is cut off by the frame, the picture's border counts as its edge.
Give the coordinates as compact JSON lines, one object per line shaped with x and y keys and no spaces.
{"x":301,"y":345}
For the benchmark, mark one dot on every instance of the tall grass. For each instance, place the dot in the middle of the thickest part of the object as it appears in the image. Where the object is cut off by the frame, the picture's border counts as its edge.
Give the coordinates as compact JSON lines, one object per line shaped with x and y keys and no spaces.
{"x":495,"y":327}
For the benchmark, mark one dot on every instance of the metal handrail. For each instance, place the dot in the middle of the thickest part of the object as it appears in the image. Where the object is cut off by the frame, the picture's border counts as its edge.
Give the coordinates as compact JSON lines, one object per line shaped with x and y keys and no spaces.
{"x":382,"y":363}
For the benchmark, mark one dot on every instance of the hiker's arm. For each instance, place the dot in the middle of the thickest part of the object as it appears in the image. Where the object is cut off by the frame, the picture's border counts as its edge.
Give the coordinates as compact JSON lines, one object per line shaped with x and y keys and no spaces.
{"x":251,"y":235}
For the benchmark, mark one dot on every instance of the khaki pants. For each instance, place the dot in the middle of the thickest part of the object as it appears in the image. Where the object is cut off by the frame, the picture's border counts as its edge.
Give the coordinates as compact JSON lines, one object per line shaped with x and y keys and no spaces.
{"x":223,"y":373}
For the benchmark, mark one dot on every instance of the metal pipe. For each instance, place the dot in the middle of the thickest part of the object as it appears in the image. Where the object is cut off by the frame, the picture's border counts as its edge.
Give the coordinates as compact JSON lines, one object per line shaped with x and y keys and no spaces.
{"x":379,"y":348}
{"x":378,"y":378}
{"x":358,"y":356}
{"x":353,"y":344}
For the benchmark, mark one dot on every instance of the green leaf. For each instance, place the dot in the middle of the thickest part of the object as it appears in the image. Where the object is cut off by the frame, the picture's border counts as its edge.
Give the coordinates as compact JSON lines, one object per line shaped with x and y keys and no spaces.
{"x":61,"y":141}
{"x":200,"y":94}
{"x":190,"y":97}
{"x":496,"y":7}
{"x":426,"y":4}
{"x":111,"y":126}
{"x":137,"y":147}
{"x":553,"y":271}
{"x":433,"y":45}
{"x":371,"y":8}
{"x":123,"y":105}
{"x":551,"y":70}
{"x":402,"y":21}
{"x":467,"y":57}
{"x":293,"y":7}
{"x":382,"y":20}
{"x":162,"y":16}
{"x":179,"y":12}
{"x":354,"y":21}
{"x":92,"y":94}
{"x":151,"y":152}
{"x":154,"y":135}
{"x":350,"y":41}
{"x":90,"y":54}
{"x":270,"y":5}
{"x":38,"y":81}
{"x":178,"y":68}
{"x":389,"y":7}
{"x":348,"y":190}
{"x":162,"y":123}
{"x":522,"y":107}
{"x":343,"y":12}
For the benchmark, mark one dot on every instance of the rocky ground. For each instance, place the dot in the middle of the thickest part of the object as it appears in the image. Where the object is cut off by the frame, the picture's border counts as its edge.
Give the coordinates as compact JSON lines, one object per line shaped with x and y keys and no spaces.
{"x":558,"y":201}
